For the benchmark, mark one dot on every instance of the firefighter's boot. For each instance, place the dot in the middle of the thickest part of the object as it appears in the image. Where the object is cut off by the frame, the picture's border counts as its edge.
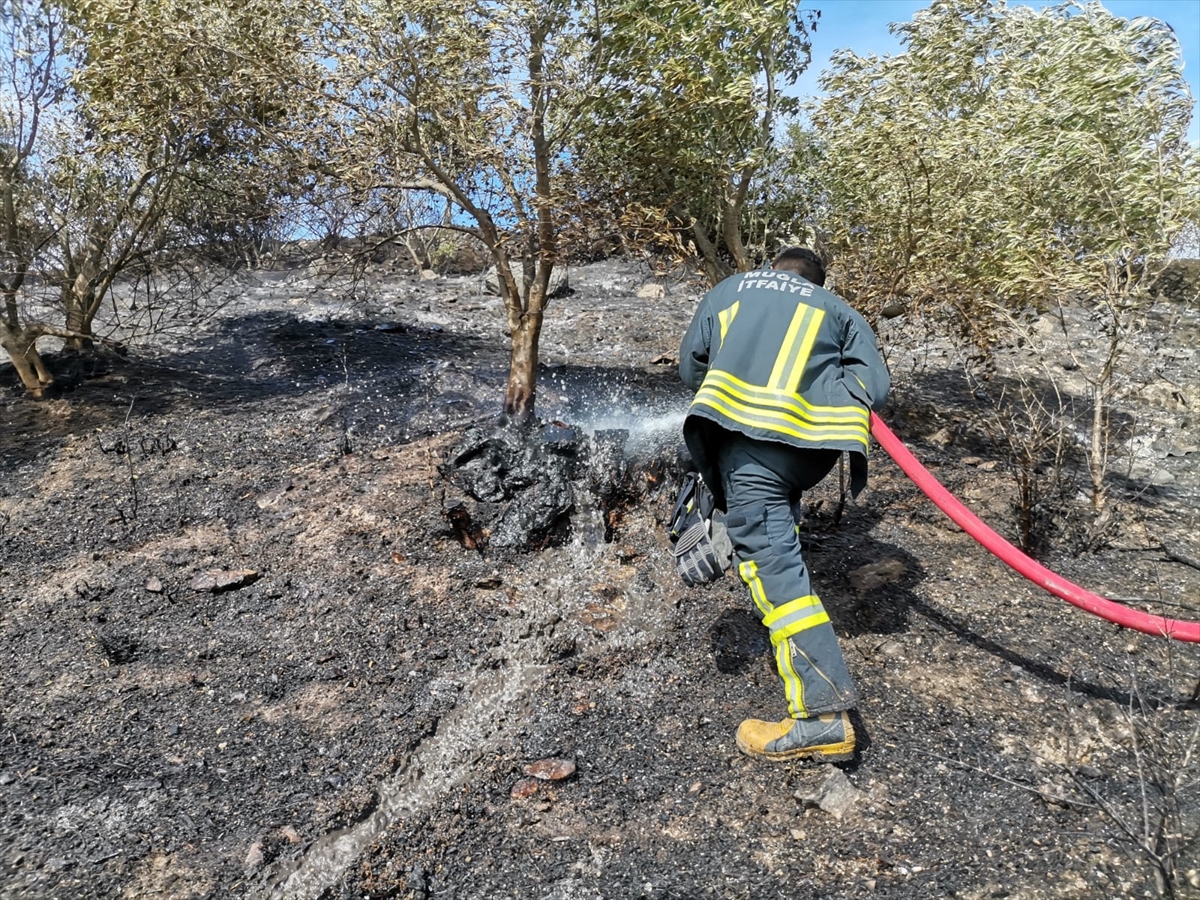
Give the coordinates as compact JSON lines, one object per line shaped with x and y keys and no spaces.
{"x":827,"y":738}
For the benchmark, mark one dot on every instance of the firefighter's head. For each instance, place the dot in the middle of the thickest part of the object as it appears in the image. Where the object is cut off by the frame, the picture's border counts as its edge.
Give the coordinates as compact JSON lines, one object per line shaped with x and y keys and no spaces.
{"x":803,"y":262}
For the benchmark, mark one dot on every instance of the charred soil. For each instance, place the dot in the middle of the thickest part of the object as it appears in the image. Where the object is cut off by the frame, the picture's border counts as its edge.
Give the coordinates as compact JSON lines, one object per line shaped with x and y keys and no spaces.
{"x":267,"y":640}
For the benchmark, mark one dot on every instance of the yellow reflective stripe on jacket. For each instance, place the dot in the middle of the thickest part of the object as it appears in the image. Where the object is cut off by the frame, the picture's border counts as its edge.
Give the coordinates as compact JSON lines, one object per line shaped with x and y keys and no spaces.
{"x":726,"y":317}
{"x":773,"y":410}
{"x":769,"y":420}
{"x":797,"y":345}
{"x":794,"y":617}
{"x":795,"y":403}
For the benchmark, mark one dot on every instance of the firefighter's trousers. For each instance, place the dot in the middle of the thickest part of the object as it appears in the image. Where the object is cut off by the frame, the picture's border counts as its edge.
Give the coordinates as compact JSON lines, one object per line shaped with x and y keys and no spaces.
{"x":762,"y":480}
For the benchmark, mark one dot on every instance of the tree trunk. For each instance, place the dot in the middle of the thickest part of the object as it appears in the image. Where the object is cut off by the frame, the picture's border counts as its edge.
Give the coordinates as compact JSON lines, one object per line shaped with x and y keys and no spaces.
{"x":510,"y":291}
{"x":538,"y":259}
{"x":1098,"y":458}
{"x":522,"y":368}
{"x":78,"y":319}
{"x":715,"y":269}
{"x":21,"y":347}
{"x":82,"y":289}
{"x":731,"y":232}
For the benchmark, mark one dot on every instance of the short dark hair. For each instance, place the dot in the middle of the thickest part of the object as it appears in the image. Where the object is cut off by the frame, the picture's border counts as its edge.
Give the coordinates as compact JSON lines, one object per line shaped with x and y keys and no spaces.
{"x":803,"y":262}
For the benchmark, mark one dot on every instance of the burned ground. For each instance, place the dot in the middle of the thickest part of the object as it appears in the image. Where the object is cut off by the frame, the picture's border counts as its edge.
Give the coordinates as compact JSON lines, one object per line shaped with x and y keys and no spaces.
{"x":262,"y":642}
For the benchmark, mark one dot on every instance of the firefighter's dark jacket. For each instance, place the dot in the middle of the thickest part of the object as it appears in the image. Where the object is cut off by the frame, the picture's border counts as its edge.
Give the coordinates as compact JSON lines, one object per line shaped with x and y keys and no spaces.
{"x":773,"y":356}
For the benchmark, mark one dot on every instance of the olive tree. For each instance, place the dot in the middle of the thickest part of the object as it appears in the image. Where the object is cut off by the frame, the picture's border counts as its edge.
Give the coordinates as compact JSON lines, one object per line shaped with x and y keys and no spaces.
{"x":1009,"y":157}
{"x":473,"y":103}
{"x":687,"y":120}
{"x":30,"y":46}
{"x":180,"y":120}
{"x":536,"y":124}
{"x":133,"y":137}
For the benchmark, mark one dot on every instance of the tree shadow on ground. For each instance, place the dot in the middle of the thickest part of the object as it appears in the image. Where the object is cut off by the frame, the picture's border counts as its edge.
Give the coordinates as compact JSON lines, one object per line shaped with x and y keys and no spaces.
{"x":270,"y":358}
{"x":378,"y":382}
{"x":257,"y":359}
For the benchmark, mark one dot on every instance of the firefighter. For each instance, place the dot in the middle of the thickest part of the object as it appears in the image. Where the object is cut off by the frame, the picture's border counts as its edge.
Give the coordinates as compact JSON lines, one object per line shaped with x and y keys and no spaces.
{"x":785,"y":374}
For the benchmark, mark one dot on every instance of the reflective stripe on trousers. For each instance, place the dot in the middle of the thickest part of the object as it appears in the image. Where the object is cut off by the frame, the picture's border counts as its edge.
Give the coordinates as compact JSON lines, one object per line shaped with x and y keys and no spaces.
{"x":761,"y":479}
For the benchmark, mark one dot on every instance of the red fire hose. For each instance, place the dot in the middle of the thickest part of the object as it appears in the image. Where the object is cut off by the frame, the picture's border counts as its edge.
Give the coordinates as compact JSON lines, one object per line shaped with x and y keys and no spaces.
{"x":1006,"y":552}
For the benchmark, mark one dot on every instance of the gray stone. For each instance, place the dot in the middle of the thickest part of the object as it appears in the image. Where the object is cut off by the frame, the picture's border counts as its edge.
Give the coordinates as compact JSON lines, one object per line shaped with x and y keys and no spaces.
{"x":216,"y":580}
{"x":560,"y":283}
{"x":876,"y":575}
{"x":836,"y":795}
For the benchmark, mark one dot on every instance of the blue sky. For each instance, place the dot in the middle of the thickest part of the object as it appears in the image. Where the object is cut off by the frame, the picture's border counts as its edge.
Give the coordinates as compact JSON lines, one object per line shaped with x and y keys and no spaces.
{"x":862,"y":25}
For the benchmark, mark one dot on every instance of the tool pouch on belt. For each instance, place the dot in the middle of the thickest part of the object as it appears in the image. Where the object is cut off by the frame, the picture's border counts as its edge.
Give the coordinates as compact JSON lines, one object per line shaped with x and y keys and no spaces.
{"x":700,"y":542}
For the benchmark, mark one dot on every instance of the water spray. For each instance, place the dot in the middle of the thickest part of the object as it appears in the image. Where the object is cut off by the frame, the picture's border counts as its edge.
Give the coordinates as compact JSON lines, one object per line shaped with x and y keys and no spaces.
{"x":653,"y":422}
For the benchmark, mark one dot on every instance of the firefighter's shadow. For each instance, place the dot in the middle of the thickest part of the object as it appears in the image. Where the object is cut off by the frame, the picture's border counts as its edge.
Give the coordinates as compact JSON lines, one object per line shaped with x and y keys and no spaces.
{"x":738,"y":641}
{"x":869,"y":587}
{"x":865,"y":584}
